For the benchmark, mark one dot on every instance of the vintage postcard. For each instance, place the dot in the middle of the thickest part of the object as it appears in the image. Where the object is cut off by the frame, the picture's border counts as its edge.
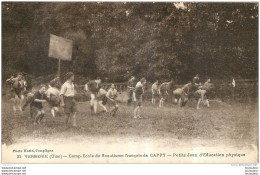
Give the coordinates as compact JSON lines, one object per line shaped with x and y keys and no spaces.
{"x":129,"y":82}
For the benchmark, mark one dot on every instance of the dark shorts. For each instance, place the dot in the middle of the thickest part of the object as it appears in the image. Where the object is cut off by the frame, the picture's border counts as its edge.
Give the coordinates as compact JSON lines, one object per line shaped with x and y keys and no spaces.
{"x":111,"y":103}
{"x":70,"y":105}
{"x":54,"y":101}
{"x":17,"y":92}
{"x":138,"y":101}
{"x":103,"y":98}
{"x":129,"y":93}
{"x":163,"y":94}
{"x":155,"y":95}
{"x":34,"y":110}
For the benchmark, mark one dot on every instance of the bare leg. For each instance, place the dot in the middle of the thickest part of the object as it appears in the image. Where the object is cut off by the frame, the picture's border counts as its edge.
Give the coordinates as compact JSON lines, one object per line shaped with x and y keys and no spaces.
{"x":113,"y":112}
{"x":53,"y":112}
{"x":95,"y":106}
{"x":198,"y":104}
{"x":161,"y":103}
{"x":37,"y":117}
{"x":15,"y":103}
{"x":104,"y":107}
{"x":207,"y":103}
{"x":67,"y":119}
{"x":31,"y":112}
{"x":136,"y":112}
{"x":179,"y":102}
{"x":92,"y":96}
{"x":74,"y":123}
{"x":41,"y":116}
{"x":20,"y":101}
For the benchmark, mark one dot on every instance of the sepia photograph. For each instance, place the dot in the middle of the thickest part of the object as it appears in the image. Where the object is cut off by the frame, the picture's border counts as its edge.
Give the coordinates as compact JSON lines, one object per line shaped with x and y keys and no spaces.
{"x":129,"y":82}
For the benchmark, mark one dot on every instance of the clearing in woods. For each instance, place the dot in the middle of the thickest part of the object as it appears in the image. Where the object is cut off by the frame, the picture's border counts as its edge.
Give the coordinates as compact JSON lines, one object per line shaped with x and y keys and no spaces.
{"x":235,"y":125}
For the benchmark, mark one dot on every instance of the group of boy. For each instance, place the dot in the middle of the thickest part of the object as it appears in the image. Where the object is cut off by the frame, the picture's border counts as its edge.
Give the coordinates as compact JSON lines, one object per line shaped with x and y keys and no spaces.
{"x":181,"y":95}
{"x":58,"y":95}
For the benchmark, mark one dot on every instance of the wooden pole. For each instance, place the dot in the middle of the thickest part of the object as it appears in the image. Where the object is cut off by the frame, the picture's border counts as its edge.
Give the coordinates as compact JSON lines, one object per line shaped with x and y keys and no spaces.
{"x":59,"y":69}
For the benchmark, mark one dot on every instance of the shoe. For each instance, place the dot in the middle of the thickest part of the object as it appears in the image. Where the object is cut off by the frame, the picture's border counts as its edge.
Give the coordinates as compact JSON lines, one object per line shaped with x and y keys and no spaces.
{"x":135,"y":117}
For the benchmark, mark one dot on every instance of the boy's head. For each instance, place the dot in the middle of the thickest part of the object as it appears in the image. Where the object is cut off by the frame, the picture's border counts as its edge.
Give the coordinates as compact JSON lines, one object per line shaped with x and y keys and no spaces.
{"x":132,"y":78}
{"x":70,"y":76}
{"x":113,"y":86}
{"x":42,"y":89}
{"x":98,"y":80}
{"x":143,"y":80}
{"x":19,"y":77}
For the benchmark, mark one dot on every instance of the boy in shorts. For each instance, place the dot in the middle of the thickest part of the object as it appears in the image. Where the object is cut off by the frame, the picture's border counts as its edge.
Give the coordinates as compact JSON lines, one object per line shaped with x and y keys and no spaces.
{"x":137,"y":97}
{"x":130,"y":89}
{"x":164,"y":90}
{"x":102,"y":99}
{"x":111,"y":99}
{"x":155,"y":91}
{"x":53,"y":95}
{"x":36,"y":105}
{"x":93,"y":87}
{"x":67,"y":94}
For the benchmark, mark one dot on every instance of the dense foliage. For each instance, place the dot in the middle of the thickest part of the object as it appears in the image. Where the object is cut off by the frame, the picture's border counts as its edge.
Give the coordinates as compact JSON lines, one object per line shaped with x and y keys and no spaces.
{"x":116,"y":40}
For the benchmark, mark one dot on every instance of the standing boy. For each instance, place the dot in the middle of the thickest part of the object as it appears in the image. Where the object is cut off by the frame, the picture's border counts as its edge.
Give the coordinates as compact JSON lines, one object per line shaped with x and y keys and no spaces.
{"x":137,"y":97}
{"x":67,"y":94}
{"x":164,"y":90}
{"x":130,"y":89}
{"x":155,"y":91}
{"x":93,"y":86}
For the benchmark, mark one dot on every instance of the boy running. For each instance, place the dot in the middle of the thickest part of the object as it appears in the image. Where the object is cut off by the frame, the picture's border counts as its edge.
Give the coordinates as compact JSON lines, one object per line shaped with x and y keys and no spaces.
{"x":17,"y":87}
{"x":102,"y":99}
{"x":36,"y":107}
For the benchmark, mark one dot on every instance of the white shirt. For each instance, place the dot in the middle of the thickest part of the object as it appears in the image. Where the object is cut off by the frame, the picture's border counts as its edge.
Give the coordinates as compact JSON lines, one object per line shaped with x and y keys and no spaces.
{"x":138,"y":83}
{"x":67,"y":89}
{"x":155,"y":88}
{"x":101,"y":92}
{"x":112,"y":93}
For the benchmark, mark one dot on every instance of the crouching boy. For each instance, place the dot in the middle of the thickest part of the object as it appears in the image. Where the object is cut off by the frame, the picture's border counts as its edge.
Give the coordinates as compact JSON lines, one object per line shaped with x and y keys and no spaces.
{"x":111,"y":99}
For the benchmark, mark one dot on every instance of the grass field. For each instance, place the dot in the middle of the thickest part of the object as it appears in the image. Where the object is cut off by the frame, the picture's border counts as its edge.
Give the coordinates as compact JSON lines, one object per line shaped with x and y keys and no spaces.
{"x":234,"y":124}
